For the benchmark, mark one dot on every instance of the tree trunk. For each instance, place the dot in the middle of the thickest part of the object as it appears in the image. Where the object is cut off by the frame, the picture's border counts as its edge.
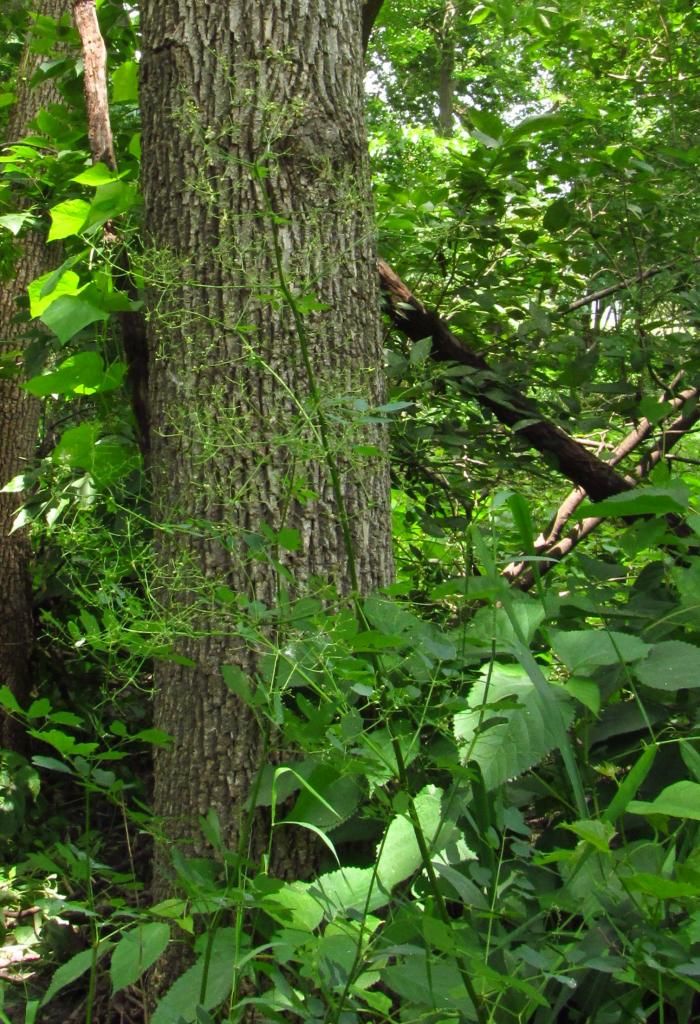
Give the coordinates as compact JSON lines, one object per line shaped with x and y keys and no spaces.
{"x":256,"y":191}
{"x":19,"y":411}
{"x":446,"y":85}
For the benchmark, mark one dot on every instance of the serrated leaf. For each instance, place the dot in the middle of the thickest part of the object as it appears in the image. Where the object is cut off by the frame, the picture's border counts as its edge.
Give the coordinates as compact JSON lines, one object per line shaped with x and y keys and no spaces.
{"x":73,"y":969}
{"x":136,"y":951}
{"x":183,"y":998}
{"x":506,"y":741}
{"x":670,"y":665}
{"x":588,"y":648}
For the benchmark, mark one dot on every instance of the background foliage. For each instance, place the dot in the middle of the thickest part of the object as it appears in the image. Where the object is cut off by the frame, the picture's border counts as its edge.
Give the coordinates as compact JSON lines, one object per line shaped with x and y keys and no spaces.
{"x":505,"y":782}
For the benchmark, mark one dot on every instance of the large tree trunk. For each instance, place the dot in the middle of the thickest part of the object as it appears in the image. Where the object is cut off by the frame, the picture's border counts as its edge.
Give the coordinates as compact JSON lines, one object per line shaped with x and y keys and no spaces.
{"x":256,"y":193}
{"x":19,"y":411}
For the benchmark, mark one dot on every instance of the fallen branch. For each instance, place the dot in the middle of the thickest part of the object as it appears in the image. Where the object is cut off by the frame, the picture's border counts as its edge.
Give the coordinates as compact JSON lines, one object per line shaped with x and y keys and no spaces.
{"x":523,"y":575}
{"x":571,"y":459}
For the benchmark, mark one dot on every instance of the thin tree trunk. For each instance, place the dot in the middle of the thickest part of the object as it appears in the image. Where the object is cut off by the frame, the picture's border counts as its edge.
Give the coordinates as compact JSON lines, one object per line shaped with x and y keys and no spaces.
{"x":19,"y":412}
{"x":446,"y":84}
{"x":261,"y":274}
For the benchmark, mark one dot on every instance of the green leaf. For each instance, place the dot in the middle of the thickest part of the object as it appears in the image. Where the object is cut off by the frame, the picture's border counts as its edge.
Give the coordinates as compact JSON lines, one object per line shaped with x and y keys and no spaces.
{"x":681,"y":800}
{"x":588,"y":648}
{"x":642,"y":501}
{"x":661,"y":888}
{"x":67,"y":218}
{"x":14,"y":222}
{"x":69,"y":314}
{"x":670,"y":665}
{"x":136,"y":951}
{"x":504,"y":740}
{"x":294,"y":907}
{"x":181,"y":1001}
{"x":98,"y":174}
{"x":125,"y":83}
{"x":81,"y":372}
{"x":73,"y":969}
{"x":420,"y":351}
{"x":110,"y":201}
{"x":586,"y":691}
{"x":46,"y":289}
{"x":357,"y":889}
{"x":628,"y":788}
{"x":489,"y":128}
{"x":557,"y":215}
{"x":596,"y":833}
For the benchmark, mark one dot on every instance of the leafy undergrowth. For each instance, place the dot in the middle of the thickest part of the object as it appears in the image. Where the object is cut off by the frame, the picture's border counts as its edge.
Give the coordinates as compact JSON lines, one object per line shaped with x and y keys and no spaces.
{"x":507,"y":808}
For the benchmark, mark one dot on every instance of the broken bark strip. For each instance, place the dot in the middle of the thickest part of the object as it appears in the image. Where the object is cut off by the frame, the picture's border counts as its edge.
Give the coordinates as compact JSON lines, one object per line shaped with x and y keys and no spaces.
{"x":132,"y":323}
{"x":95,"y":65}
{"x":522,"y":575}
{"x":570,"y":458}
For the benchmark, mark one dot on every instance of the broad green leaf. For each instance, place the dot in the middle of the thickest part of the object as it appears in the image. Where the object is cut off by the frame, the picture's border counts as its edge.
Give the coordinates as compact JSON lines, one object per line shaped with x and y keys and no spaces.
{"x":359,"y":889}
{"x":136,"y":951}
{"x":49,"y":287}
{"x":487,"y":124}
{"x":642,"y":501}
{"x":597,"y":833}
{"x":584,"y":649}
{"x":77,"y":373}
{"x":294,"y":907}
{"x":69,"y":314}
{"x":504,"y":740}
{"x":586,"y":691}
{"x":557,"y":215}
{"x":680,"y":800}
{"x":670,"y":665}
{"x":661,"y":888}
{"x":341,"y":796}
{"x":73,"y":969}
{"x":180,"y":1002}
{"x":98,"y":174}
{"x":14,"y":222}
{"x":125,"y":83}
{"x":67,"y":218}
{"x":110,"y":201}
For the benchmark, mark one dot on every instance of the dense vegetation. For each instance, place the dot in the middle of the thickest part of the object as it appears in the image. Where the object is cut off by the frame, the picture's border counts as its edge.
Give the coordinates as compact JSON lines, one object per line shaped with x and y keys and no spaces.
{"x":497,"y":755}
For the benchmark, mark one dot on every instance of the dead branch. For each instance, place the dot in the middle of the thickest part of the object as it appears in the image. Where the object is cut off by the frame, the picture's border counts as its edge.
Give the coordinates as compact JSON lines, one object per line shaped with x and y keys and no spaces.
{"x":508,"y":405}
{"x":522,"y":575}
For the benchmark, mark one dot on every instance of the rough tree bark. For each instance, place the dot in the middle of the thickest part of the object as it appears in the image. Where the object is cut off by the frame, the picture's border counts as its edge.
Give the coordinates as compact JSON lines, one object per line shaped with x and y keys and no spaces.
{"x":19,"y":412}
{"x":256,"y":194}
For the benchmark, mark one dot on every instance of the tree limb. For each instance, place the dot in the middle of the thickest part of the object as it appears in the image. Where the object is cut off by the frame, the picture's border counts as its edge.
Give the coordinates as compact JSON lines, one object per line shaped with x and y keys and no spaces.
{"x":570,"y":458}
{"x":370,"y":10}
{"x":522,"y":575}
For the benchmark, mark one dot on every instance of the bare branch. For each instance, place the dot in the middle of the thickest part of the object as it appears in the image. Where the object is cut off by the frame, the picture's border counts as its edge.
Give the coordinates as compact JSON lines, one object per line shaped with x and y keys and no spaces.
{"x":522,"y":575}
{"x":570,"y":458}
